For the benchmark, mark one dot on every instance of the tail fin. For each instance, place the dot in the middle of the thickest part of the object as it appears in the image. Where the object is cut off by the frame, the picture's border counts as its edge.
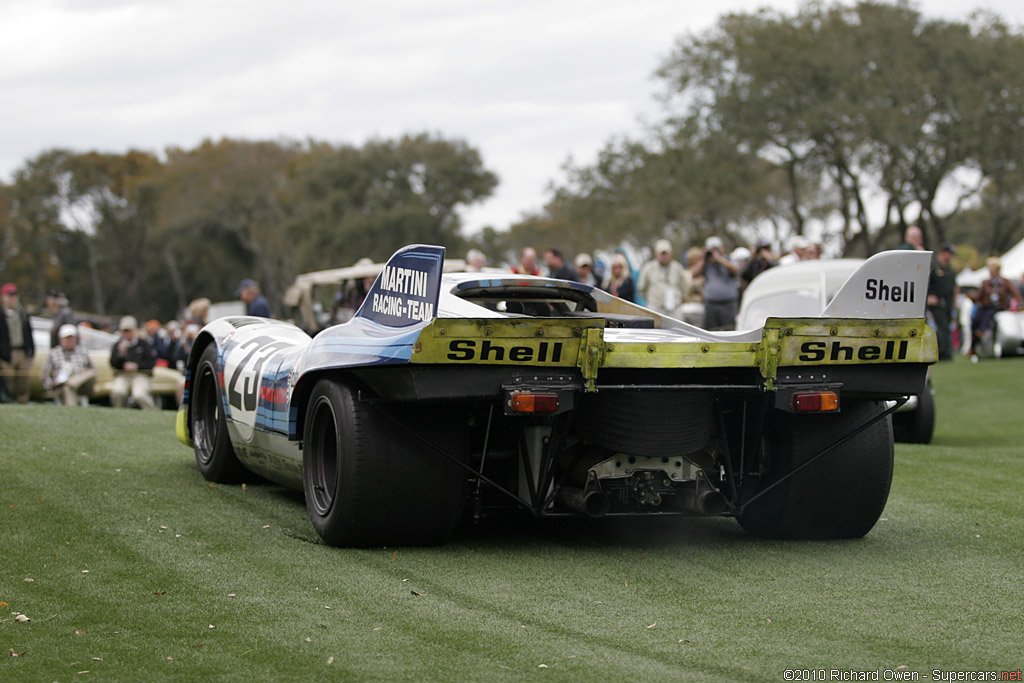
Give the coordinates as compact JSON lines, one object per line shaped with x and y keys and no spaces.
{"x":891,"y":284}
{"x":406,"y":291}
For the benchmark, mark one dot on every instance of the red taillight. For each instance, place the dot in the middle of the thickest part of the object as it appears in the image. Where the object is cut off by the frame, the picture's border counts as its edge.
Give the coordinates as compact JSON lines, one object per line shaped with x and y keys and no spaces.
{"x":816,"y":402}
{"x":524,"y":402}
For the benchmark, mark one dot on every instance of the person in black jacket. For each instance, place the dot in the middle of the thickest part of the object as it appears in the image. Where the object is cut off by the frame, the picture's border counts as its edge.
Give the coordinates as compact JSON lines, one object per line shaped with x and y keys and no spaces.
{"x":16,"y":346}
{"x":132,"y":359}
{"x":557,"y":267}
{"x":762,"y":260}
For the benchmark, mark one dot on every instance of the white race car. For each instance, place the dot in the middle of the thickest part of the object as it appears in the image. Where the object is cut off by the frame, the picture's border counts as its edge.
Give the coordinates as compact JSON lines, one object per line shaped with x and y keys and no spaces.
{"x":451,"y":395}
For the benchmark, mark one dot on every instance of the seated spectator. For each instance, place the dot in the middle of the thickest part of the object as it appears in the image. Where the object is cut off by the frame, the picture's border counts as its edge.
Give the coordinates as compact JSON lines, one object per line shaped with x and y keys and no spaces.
{"x":158,"y":338}
{"x":68,"y":373}
{"x":132,"y":359}
{"x":995,"y":294}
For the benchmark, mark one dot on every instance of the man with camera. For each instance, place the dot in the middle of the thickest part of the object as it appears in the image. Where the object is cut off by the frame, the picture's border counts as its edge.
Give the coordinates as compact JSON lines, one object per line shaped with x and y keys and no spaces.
{"x":721,"y":286}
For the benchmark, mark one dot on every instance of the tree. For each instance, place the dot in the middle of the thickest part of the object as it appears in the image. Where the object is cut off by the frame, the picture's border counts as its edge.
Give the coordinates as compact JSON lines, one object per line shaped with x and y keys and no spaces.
{"x":78,"y":223}
{"x":103,"y":197}
{"x":683,"y":185}
{"x":219,"y":218}
{"x":861,"y":102}
{"x":345,"y":202}
{"x":33,"y":222}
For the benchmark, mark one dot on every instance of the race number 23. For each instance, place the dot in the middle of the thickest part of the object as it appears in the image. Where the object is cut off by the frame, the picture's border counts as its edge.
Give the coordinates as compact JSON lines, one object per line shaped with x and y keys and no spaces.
{"x":247,"y":372}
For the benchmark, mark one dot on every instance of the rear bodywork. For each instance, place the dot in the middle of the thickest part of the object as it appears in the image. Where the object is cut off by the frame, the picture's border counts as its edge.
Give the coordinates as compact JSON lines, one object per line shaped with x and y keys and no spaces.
{"x":806,"y":289}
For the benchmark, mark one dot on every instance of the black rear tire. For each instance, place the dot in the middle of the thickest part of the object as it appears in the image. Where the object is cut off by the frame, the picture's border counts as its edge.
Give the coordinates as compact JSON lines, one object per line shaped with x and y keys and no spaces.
{"x":842,"y":494}
{"x":214,"y":455}
{"x":917,"y":426}
{"x":369,"y":481}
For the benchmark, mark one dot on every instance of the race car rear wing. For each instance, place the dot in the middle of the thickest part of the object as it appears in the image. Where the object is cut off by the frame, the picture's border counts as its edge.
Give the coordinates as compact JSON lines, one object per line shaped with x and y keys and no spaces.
{"x":891,"y":284}
{"x":875,"y":320}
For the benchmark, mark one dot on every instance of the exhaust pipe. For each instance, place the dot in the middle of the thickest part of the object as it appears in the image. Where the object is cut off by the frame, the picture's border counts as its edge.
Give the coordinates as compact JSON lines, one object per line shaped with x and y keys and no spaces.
{"x":704,"y":502}
{"x":594,"y":504}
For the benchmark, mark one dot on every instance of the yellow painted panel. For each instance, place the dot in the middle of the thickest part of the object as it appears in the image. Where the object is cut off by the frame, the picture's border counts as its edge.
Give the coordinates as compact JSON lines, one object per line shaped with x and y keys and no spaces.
{"x":181,"y":426}
{"x":502,"y":342}
{"x":685,"y":355}
{"x":785,"y":342}
{"x":854,"y":342}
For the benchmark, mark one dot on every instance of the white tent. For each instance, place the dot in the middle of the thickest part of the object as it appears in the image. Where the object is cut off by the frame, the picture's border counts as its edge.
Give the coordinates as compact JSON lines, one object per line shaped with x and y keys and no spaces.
{"x":1013,"y":268}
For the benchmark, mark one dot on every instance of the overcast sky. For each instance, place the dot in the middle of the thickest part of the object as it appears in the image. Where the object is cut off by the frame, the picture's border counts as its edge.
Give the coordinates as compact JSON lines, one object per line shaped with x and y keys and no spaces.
{"x":529,"y":83}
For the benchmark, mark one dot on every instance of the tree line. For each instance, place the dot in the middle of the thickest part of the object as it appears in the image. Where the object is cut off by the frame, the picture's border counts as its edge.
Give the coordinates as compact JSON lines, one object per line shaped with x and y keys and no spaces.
{"x":136,"y":233}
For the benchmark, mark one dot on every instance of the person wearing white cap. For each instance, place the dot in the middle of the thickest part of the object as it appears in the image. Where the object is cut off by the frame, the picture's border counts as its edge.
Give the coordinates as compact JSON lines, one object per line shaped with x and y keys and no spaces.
{"x":132,"y":358}
{"x":475,"y":261}
{"x":68,"y":373}
{"x":800,"y":248}
{"x":663,"y":282}
{"x":585,"y":268}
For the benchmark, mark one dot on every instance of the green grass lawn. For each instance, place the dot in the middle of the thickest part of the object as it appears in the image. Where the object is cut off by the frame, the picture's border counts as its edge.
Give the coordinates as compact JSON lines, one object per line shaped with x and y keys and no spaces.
{"x":132,"y":567}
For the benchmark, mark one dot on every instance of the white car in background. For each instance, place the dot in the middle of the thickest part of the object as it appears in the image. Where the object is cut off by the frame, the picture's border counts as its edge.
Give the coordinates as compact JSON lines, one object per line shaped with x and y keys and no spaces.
{"x":805,"y":289}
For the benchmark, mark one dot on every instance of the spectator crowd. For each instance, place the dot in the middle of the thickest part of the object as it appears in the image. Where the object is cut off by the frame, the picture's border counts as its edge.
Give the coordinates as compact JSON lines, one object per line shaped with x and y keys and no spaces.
{"x":68,"y":372}
{"x":703,"y":287}
{"x":707,"y":279}
{"x":705,"y":284}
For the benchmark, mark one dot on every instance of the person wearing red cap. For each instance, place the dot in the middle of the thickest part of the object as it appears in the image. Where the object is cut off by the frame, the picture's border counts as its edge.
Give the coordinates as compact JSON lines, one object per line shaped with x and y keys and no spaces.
{"x":16,"y":347}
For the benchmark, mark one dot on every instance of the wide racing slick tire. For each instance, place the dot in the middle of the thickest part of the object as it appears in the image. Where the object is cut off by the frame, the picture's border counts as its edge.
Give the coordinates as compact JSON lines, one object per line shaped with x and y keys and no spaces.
{"x":369,"y":480}
{"x":918,"y":425}
{"x":214,"y":455}
{"x":840,"y":495}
